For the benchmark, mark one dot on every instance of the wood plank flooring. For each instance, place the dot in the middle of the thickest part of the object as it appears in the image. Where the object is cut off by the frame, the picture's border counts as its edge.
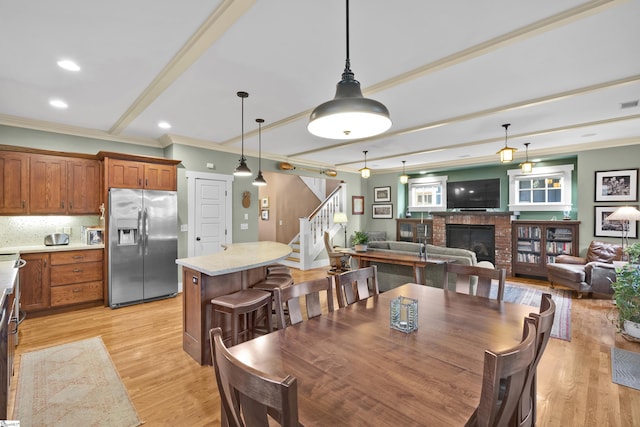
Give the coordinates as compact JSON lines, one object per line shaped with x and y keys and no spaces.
{"x":169,"y":389}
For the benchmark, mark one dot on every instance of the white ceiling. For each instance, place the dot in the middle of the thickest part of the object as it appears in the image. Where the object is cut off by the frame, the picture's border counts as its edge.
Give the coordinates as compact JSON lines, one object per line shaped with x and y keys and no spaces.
{"x":450,"y":73}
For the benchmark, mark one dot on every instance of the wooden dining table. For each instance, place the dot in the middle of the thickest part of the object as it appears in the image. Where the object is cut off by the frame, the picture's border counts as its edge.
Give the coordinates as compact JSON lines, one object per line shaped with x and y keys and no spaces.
{"x":354,"y":370}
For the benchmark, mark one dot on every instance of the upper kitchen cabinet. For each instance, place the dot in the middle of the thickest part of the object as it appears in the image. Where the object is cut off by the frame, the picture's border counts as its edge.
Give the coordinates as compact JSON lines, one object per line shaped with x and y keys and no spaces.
{"x":124,"y":173}
{"x":128,"y":171}
{"x":14,"y":188}
{"x":83,"y":186}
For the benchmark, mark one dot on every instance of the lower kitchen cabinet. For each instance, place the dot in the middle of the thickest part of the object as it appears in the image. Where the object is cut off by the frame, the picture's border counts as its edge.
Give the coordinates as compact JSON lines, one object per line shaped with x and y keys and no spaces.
{"x":34,"y":282}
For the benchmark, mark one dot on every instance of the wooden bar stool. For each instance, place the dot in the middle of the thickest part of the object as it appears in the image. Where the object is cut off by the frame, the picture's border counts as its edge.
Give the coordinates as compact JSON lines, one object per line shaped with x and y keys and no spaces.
{"x":246,"y":304}
{"x":270,"y":284}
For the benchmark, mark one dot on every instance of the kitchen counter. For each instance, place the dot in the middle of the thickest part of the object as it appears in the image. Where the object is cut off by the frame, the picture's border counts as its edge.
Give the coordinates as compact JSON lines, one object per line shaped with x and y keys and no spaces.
{"x":30,"y":249}
{"x":8,"y":273}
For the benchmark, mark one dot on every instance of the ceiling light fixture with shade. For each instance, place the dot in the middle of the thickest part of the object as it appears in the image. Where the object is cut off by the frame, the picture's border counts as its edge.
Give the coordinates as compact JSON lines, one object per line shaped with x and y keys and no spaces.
{"x":404,"y":178}
{"x":526,"y":166}
{"x":349,"y":115}
{"x":365,"y":172}
{"x":625,"y":214}
{"x":259,"y":181}
{"x":506,"y":154}
{"x":242,"y":169}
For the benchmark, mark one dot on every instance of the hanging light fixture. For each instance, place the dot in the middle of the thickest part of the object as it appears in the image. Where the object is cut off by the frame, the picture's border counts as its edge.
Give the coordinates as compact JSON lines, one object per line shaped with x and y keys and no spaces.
{"x":526,"y":166}
{"x":242,"y":169}
{"x":365,"y":172}
{"x":506,"y":154}
{"x":259,"y":181}
{"x":349,"y":115}
{"x":404,"y":178}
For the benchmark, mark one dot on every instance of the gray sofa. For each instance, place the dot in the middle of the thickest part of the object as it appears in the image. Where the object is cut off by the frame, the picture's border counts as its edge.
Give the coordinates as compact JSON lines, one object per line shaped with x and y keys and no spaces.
{"x":391,"y":275}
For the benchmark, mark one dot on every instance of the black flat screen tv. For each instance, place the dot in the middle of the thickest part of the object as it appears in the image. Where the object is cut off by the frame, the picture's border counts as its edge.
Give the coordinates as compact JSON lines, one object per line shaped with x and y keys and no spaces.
{"x":478,"y":194}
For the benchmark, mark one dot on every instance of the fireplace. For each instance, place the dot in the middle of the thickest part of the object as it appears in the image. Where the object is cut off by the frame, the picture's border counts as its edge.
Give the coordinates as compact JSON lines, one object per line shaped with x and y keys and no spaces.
{"x":477,"y":238}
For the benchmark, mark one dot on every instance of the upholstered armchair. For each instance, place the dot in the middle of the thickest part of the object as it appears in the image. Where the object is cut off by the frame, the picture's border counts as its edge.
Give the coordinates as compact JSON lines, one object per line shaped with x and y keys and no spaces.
{"x":339,"y":261}
{"x":592,"y":273}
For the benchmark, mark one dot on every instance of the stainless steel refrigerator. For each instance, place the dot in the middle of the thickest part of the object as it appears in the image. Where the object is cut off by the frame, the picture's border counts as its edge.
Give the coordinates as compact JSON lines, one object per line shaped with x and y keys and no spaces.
{"x":143,"y":245}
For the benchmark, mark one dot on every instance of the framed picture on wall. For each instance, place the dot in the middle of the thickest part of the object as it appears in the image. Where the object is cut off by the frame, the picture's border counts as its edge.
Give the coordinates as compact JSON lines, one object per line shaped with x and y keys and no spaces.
{"x":357,"y":205}
{"x":382,"y":211}
{"x":264,"y":214}
{"x":264,"y":202}
{"x":607,"y":228}
{"x":381,"y":194}
{"x":617,"y":186}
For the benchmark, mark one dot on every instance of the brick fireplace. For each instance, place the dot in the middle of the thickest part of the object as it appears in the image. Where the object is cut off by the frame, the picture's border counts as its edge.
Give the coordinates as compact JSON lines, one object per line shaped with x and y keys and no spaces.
{"x":501,"y":221}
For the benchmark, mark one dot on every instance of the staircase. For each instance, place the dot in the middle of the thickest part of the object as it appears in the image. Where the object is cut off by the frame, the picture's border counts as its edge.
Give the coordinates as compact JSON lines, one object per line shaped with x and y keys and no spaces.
{"x":308,"y":245}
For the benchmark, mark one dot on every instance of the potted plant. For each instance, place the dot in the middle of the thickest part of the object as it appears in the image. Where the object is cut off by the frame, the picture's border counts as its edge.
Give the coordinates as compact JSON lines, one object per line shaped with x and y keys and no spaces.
{"x":627,"y":293}
{"x":360,"y":240}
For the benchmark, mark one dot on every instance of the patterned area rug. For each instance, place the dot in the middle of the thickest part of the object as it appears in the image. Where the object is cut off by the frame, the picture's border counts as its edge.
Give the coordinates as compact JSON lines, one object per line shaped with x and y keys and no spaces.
{"x":521,"y":294}
{"x":72,"y":384}
{"x":625,"y":368}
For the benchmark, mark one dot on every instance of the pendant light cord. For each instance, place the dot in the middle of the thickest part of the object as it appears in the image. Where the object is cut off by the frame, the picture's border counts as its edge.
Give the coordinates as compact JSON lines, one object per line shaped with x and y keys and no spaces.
{"x":347,"y":74}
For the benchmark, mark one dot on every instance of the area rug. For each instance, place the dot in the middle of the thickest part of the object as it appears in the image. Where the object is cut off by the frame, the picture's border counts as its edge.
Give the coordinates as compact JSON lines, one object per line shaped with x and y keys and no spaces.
{"x":73,"y":384}
{"x":625,"y":368}
{"x":521,"y":294}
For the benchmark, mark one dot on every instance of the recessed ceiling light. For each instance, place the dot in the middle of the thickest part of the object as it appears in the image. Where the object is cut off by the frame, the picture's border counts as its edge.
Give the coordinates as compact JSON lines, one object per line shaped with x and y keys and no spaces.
{"x":58,"y":103}
{"x":68,"y":64}
{"x":164,"y":125}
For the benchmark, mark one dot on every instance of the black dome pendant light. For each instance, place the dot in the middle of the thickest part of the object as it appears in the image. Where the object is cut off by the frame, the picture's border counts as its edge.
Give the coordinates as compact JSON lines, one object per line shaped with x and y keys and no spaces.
{"x":349,"y":115}
{"x":259,"y":181}
{"x":242,"y":169}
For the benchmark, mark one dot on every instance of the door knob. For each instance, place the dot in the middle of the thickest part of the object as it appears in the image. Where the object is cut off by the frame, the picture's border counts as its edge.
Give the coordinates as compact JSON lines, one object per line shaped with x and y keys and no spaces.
{"x":198,"y":239}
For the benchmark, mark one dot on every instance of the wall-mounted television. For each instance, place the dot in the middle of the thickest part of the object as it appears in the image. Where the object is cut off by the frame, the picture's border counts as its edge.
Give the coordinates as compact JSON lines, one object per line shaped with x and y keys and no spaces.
{"x":474,"y":195}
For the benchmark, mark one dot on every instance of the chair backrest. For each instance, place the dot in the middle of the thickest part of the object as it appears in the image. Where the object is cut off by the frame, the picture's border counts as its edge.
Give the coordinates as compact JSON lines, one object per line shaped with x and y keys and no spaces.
{"x":526,"y":415}
{"x":485,"y":277}
{"x":335,"y":258}
{"x":356,"y":285}
{"x":250,"y":397}
{"x":503,"y":381}
{"x":291,"y":295}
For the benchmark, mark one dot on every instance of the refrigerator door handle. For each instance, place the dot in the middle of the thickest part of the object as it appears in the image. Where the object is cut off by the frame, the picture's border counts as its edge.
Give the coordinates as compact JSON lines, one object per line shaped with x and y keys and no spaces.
{"x":140,"y":232}
{"x":146,"y":232}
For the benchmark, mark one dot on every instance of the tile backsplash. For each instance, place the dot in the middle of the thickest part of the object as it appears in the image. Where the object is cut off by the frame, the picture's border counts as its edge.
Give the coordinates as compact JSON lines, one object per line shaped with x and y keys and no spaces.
{"x":30,"y":230}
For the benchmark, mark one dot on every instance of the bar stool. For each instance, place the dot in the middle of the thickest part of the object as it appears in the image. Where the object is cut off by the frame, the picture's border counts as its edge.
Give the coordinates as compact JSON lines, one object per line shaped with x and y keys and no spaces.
{"x":245,"y":303}
{"x":276,"y":279}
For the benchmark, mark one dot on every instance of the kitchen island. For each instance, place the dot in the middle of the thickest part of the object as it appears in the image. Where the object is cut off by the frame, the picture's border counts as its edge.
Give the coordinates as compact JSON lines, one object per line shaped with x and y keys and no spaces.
{"x":205,"y":277}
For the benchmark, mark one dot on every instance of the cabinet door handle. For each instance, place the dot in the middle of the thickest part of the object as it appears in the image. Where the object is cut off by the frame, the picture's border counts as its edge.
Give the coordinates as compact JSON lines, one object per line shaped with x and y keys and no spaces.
{"x":23,"y":204}
{"x":77,"y":290}
{"x":71,"y":205}
{"x":77,"y":270}
{"x":78,"y":256}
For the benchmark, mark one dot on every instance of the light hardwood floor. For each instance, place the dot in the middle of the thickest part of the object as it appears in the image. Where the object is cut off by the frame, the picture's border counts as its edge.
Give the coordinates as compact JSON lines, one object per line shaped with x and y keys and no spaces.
{"x":169,"y":389}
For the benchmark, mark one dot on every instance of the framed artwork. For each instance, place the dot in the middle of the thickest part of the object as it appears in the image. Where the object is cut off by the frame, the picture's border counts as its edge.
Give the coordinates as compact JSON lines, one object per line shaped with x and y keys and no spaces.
{"x":264,"y":214}
{"x":617,"y":186}
{"x":94,"y":236}
{"x":357,"y":205}
{"x":382,"y":211}
{"x":606,"y":228}
{"x":381,"y":194}
{"x":264,"y":202}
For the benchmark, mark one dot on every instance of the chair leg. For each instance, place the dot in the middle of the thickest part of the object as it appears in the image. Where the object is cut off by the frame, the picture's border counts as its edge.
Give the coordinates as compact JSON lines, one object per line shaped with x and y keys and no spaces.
{"x":235,"y":328}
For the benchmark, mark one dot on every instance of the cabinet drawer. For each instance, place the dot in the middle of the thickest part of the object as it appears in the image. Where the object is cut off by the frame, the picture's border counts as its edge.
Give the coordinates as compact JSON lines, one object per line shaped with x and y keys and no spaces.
{"x":73,"y":294}
{"x":72,"y":257}
{"x":76,"y":273}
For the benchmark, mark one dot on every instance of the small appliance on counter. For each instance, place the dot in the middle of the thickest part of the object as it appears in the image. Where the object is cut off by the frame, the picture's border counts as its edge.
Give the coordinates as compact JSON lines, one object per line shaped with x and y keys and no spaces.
{"x":56,"y":239}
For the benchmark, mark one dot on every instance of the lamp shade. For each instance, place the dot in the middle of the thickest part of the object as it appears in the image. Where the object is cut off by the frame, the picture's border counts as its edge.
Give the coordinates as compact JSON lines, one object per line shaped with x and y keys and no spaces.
{"x":340,"y":218}
{"x":625,"y":213}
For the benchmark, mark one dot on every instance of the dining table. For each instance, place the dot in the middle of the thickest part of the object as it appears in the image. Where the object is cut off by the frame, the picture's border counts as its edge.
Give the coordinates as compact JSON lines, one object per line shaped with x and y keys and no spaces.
{"x":353,"y":369}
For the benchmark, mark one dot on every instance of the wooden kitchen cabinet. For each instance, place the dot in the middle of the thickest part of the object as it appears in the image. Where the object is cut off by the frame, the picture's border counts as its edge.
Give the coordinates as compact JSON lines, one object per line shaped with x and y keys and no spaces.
{"x":47,"y":184}
{"x":134,"y":174}
{"x":159,"y":177}
{"x":83,"y":186}
{"x":34,"y":282}
{"x":76,"y":277}
{"x":14,"y":189}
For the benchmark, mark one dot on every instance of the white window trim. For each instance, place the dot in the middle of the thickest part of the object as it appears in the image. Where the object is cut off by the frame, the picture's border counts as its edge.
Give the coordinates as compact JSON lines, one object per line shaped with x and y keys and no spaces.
{"x":563,"y":171}
{"x":442,"y":180}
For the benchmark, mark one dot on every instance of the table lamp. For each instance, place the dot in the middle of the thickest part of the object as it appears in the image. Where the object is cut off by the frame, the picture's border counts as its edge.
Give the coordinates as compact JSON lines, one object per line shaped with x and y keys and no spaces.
{"x":341,"y":218}
{"x":625,"y":214}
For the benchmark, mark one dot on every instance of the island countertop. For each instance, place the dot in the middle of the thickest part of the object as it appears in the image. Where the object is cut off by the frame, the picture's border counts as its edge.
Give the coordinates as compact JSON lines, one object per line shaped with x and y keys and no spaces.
{"x":237,"y":257}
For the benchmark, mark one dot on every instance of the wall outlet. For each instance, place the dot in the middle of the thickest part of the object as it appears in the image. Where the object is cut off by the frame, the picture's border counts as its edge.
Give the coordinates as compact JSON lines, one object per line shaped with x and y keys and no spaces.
{"x":184,"y":227}
{"x":244,"y":226}
{"x":246,"y":216}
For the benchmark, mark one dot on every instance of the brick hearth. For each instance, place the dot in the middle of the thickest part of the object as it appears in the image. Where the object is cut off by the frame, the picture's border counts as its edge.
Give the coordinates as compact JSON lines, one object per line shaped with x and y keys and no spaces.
{"x":500,"y":220}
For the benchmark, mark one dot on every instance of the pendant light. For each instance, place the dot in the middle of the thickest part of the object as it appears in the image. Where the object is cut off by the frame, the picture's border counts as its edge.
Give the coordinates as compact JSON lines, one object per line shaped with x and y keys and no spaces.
{"x":506,"y":154}
{"x":404,"y":178}
{"x":242,"y":169}
{"x":526,"y":166}
{"x":259,"y":181}
{"x":349,"y":115}
{"x":365,"y":172}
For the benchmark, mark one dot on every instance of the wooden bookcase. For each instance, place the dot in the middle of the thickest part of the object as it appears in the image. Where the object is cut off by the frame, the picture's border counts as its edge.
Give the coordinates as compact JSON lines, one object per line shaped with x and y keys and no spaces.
{"x":414,"y":230}
{"x":537,"y":243}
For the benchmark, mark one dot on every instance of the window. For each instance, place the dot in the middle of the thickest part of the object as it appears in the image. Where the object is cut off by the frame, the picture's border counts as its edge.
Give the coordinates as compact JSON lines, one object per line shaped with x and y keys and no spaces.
{"x":428,"y":194}
{"x":545,"y":189}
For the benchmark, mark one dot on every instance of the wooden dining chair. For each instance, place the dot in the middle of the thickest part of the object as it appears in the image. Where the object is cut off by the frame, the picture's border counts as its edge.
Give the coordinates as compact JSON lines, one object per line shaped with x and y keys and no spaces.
{"x":356,"y":285}
{"x":287,"y":300}
{"x":485,"y":277}
{"x":503,"y":381}
{"x":250,"y":397}
{"x":526,"y":414}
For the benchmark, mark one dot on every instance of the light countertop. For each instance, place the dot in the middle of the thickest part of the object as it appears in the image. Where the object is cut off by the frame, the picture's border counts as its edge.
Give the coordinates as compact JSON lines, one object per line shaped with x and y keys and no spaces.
{"x":8,"y":273}
{"x":28,"y":249}
{"x":237,"y":257}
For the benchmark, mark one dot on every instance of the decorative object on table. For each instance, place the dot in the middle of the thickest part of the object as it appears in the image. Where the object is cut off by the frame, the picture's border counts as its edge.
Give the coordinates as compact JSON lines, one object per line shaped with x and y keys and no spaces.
{"x":382,"y":211}
{"x":617,"y":186}
{"x":404,"y":314}
{"x":624,"y":215}
{"x":341,"y":218}
{"x":608,"y":227}
{"x":625,"y":368}
{"x":264,"y":214}
{"x":381,"y":194}
{"x":357,"y":205}
{"x":360,"y":240}
{"x":626,"y":293}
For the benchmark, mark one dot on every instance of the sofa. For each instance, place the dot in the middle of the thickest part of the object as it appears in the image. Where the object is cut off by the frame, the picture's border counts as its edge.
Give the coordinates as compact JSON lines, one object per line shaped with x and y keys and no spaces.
{"x":392,"y":275}
{"x":590,"y":274}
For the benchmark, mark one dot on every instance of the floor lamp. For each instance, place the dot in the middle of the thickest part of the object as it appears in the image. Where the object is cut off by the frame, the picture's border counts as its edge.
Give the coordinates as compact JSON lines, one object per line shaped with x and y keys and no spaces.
{"x":341,"y":218}
{"x":624,"y":214}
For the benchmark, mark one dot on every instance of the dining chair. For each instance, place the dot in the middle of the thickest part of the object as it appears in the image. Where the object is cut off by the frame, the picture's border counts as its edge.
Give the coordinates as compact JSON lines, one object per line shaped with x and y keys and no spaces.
{"x":526,"y":414}
{"x":248,"y":396}
{"x":485,"y":277}
{"x":290,"y":296}
{"x":503,"y":381}
{"x":356,"y":285}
